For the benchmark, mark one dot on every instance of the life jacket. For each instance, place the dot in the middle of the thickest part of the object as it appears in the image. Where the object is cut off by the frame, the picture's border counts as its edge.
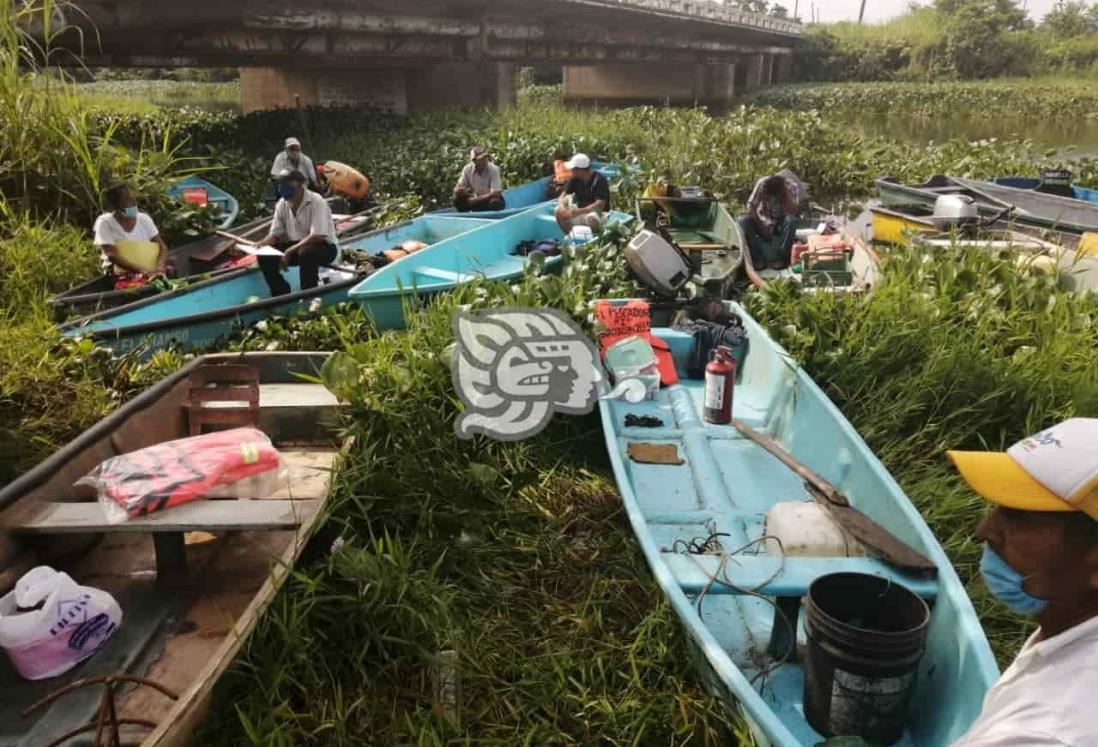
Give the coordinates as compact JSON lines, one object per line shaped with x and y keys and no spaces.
{"x":345,"y":180}
{"x":168,"y":474}
{"x":561,"y":172}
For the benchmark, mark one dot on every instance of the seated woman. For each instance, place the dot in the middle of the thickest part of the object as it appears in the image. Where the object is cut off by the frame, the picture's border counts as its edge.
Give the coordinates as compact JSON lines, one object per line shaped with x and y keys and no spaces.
{"x":129,"y":239}
{"x":770,"y":225}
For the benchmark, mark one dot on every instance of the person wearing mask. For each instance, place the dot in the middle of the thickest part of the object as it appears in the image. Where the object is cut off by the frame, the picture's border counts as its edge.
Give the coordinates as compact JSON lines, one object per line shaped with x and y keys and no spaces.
{"x":129,"y":239}
{"x":479,"y":187}
{"x":302,"y":228}
{"x":1040,"y":559}
{"x":770,"y":225}
{"x":292,"y":159}
{"x":586,"y":195}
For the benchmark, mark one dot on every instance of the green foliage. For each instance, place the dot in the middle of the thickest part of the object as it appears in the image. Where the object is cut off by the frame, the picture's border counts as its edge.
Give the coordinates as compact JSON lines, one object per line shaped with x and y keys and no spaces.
{"x":1071,"y":19}
{"x":163,"y":93}
{"x":513,"y":555}
{"x":951,"y":39}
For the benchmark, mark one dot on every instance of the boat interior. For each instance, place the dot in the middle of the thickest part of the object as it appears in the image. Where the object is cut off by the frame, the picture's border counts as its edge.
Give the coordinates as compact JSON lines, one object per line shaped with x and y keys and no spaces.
{"x":191,"y":580}
{"x":701,"y":512}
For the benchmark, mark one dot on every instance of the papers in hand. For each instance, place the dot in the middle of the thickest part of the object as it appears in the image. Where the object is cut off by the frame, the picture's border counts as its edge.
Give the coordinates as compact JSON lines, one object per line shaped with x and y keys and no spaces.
{"x":259,"y":251}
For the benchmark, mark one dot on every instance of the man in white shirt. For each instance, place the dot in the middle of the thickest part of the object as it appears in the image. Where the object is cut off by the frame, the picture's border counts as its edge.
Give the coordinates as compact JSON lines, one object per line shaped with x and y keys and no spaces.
{"x":480,"y":186}
{"x":303,"y":229}
{"x":292,"y":159}
{"x":129,"y":239}
{"x":1041,"y":560}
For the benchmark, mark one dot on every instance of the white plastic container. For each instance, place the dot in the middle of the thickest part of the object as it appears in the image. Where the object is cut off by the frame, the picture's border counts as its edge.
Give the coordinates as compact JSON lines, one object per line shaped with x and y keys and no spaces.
{"x":580,"y":235}
{"x":805,"y":528}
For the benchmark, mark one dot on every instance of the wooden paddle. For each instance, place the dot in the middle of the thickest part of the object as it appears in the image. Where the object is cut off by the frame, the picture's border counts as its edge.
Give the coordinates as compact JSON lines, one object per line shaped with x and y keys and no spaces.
{"x":860,"y":526}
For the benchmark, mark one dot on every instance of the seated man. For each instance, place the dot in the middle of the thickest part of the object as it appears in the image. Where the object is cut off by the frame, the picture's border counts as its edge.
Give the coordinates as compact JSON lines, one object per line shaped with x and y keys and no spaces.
{"x":770,"y":225}
{"x":1040,"y":560}
{"x":479,"y":187}
{"x":586,"y":195}
{"x":291,"y":158}
{"x":129,"y":240}
{"x":302,"y":228}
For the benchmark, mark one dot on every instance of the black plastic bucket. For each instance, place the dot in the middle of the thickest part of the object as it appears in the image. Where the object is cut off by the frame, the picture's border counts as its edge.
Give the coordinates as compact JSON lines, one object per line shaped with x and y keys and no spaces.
{"x":866,"y":635}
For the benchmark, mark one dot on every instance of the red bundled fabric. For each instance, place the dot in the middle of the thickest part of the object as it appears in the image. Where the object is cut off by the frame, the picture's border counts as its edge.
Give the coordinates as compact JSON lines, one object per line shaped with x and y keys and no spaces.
{"x":238,"y":463}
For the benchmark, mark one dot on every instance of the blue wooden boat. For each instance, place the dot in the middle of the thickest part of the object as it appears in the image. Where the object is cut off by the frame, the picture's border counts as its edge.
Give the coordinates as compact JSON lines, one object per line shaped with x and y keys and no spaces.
{"x":211,"y":194}
{"x":1031,"y":183}
{"x":205,"y":313}
{"x":727,"y":483}
{"x":485,"y":252}
{"x":430,"y":229}
{"x":525,"y":196}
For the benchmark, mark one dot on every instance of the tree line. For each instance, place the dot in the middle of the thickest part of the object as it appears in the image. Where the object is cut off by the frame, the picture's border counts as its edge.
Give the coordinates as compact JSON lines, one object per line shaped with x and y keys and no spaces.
{"x":956,"y":39}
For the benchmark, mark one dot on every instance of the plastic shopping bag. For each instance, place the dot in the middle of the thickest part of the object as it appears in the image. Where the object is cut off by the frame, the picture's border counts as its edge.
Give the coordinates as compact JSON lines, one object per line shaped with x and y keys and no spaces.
{"x":49,"y":623}
{"x":237,"y":463}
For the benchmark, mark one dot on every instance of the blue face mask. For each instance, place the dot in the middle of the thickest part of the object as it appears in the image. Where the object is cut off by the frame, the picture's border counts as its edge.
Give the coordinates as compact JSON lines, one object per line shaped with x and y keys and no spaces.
{"x":129,"y":212}
{"x":287,"y":191}
{"x":1005,"y":584}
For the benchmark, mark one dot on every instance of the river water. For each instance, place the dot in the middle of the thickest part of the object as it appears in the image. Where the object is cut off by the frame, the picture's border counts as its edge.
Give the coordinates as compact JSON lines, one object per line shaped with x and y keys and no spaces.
{"x":1078,"y":136}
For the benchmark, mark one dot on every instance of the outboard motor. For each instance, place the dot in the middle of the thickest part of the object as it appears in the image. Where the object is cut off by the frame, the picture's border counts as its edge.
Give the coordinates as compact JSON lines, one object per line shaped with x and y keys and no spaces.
{"x":658,"y":264}
{"x":955,"y":211}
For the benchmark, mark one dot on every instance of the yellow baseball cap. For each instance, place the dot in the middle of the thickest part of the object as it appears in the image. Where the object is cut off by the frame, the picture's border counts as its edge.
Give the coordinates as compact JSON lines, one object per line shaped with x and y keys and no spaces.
{"x":1054,"y":470}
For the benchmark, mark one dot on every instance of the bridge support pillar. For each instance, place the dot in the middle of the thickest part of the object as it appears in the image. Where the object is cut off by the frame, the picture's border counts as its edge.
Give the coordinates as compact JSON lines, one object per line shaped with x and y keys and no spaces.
{"x":783,"y":68}
{"x":643,"y":82}
{"x":386,"y":89}
{"x":758,"y":70}
{"x":452,"y":84}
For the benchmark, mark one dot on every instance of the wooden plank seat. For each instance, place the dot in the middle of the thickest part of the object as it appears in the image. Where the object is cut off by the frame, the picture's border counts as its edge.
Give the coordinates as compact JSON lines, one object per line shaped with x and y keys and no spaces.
{"x":285,"y":510}
{"x":204,"y":515}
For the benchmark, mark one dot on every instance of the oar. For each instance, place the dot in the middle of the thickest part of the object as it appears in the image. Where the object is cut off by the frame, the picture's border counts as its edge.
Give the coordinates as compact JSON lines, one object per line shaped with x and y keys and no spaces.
{"x":360,"y":214}
{"x":860,"y":526}
{"x":233,"y":237}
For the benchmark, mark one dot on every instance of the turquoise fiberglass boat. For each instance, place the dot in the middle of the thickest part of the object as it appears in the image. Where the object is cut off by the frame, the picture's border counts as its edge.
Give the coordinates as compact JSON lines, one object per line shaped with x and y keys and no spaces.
{"x":202,"y":192}
{"x":728,"y":484}
{"x":204,"y":313}
{"x":485,"y":252}
{"x":525,"y":196}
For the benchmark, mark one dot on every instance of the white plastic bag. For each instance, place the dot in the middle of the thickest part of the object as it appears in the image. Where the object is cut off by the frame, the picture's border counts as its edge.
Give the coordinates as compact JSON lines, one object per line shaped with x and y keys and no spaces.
{"x":63,"y":622}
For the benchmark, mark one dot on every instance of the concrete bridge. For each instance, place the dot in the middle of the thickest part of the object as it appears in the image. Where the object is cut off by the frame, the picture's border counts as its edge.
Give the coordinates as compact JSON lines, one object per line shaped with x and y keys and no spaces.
{"x":407,"y":55}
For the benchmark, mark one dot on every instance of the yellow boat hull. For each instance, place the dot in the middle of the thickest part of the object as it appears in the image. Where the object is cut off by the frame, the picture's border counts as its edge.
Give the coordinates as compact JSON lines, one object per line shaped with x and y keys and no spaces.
{"x":891,"y":227}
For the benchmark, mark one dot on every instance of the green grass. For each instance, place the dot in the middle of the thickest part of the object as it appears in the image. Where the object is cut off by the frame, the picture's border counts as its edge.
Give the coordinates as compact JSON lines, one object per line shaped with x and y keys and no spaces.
{"x":146,"y":96}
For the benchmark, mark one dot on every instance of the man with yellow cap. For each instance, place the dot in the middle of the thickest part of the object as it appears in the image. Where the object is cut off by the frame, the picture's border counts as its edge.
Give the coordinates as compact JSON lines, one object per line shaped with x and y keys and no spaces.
{"x":1041,"y":560}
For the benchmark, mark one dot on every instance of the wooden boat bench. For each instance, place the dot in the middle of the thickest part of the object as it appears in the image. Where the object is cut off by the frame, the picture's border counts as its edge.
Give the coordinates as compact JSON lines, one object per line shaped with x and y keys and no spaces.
{"x":167,"y":528}
{"x":225,"y":395}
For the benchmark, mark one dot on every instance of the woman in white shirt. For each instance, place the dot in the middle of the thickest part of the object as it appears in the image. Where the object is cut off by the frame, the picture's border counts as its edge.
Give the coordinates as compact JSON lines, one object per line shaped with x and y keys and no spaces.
{"x":128,"y":238}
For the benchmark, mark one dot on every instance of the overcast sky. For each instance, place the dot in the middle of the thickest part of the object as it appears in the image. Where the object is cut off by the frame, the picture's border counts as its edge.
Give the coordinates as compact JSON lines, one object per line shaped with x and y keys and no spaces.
{"x":879,"y":10}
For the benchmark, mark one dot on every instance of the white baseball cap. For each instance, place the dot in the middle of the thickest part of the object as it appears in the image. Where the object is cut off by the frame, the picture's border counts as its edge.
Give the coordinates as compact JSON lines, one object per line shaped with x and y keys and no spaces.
{"x":1054,"y":470}
{"x":290,"y":141}
{"x":579,"y":161}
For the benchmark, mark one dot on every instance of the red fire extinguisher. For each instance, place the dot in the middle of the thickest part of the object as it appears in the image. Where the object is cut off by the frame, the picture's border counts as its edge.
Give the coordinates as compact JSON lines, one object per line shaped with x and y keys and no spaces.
{"x":720,"y":375}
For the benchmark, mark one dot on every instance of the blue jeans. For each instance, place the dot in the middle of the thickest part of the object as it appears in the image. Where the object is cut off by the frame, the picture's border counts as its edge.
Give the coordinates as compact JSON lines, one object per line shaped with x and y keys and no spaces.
{"x":770,"y":251}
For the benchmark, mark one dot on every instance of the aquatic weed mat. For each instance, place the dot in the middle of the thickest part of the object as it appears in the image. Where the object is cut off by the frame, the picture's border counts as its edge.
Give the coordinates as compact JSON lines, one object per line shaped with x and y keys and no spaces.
{"x":478,"y":592}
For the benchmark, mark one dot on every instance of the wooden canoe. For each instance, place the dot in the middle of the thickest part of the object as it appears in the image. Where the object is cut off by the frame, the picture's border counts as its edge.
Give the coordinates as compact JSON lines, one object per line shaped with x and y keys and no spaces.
{"x":712,"y":481}
{"x":188,"y":607}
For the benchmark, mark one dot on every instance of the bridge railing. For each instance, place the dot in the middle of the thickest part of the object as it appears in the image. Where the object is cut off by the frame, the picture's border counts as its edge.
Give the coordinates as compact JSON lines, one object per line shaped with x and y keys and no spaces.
{"x":709,"y":10}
